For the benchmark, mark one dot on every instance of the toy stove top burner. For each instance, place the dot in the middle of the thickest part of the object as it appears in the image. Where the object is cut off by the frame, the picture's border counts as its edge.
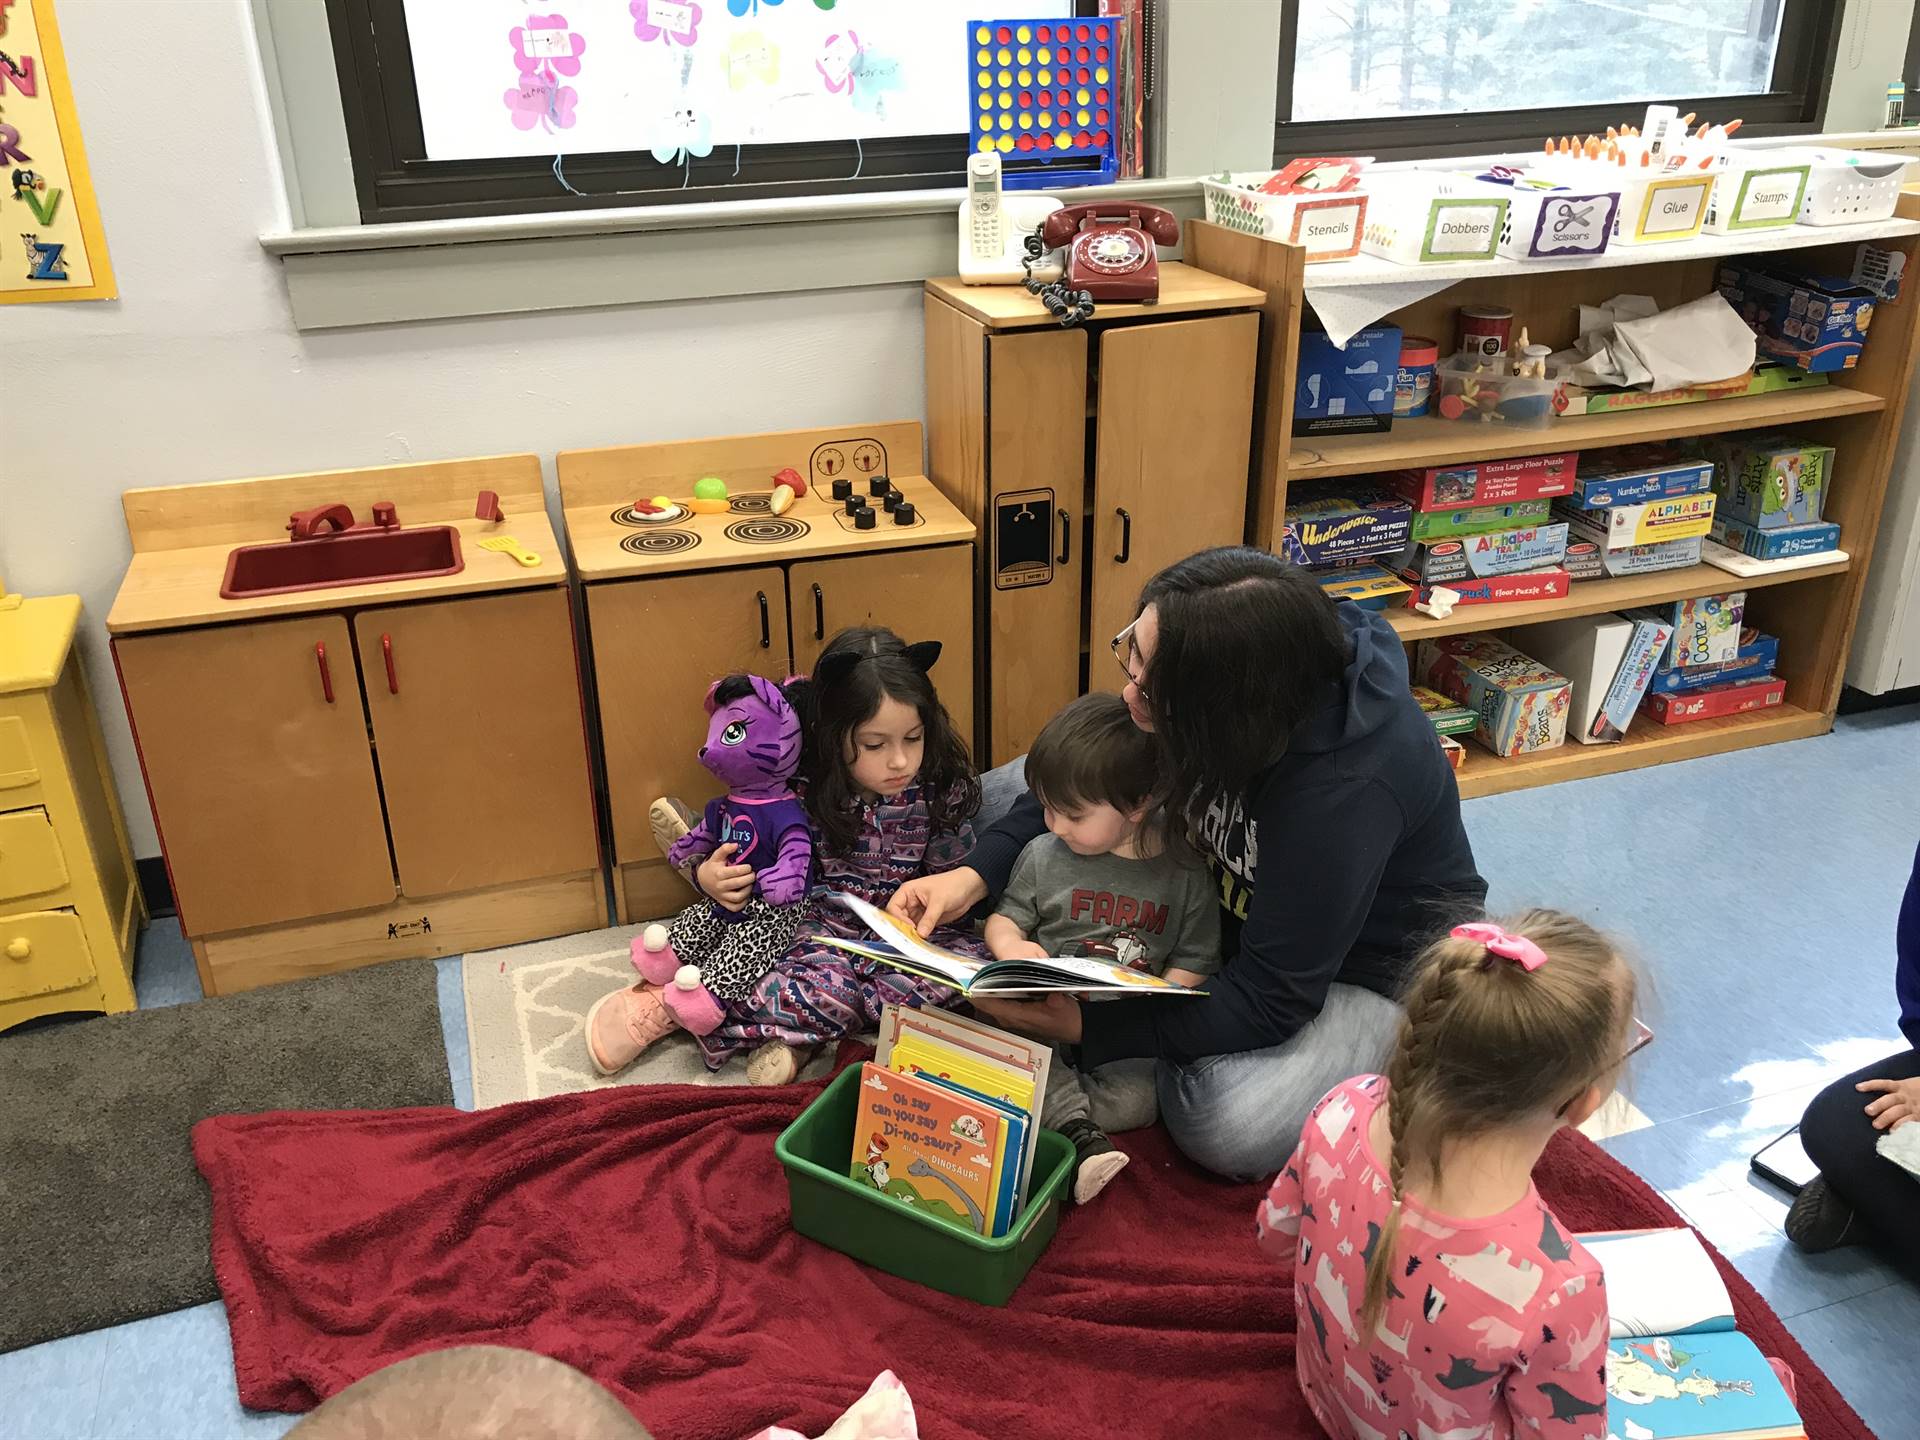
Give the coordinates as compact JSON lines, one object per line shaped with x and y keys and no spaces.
{"x":627,"y":515}
{"x":750,"y":505}
{"x":773,"y":530}
{"x":660,"y":542}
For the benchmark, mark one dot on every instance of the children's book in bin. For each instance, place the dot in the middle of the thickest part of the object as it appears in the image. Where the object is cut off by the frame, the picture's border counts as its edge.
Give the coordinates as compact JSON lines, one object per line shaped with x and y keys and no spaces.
{"x":899,"y":945}
{"x":931,"y":1147}
{"x":1676,"y":1367}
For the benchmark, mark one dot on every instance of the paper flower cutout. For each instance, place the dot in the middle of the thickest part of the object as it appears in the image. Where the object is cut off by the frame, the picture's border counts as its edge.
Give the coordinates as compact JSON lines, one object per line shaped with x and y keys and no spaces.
{"x":537,"y":100}
{"x":545,"y":43}
{"x":672,"y":22}
{"x":687,"y":134}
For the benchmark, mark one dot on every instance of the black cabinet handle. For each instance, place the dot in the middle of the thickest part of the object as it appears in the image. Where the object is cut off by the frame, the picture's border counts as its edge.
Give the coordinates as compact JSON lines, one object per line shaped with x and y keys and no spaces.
{"x":1066,"y":538}
{"x":766,"y":636}
{"x":1126,"y":536}
{"x":819,"y":615}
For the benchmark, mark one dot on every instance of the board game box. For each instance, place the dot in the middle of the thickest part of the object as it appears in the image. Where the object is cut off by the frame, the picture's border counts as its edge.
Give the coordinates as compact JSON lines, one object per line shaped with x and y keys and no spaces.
{"x":1706,"y":629}
{"x":1770,"y":481}
{"x":1582,"y":560}
{"x":1651,"y":522}
{"x":1371,"y":587}
{"x":1353,"y":524}
{"x":1548,"y":584}
{"x":1446,"y":524}
{"x":1757,"y":656}
{"x":1786,"y":543}
{"x":1736,"y":697}
{"x":1520,"y":704}
{"x":1648,"y":559}
{"x":1486,"y":482}
{"x":1634,"y":474}
{"x":1449,"y":717}
{"x":1492,"y":552}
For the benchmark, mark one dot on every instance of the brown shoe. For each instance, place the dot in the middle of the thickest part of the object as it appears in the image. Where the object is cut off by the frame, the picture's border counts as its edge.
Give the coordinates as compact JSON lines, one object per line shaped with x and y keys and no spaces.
{"x":775,"y":1063}
{"x":621,"y":1026}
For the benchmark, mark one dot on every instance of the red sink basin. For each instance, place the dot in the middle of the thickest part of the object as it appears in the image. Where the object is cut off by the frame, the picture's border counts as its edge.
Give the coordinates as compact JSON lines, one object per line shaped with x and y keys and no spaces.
{"x":357,"y":557}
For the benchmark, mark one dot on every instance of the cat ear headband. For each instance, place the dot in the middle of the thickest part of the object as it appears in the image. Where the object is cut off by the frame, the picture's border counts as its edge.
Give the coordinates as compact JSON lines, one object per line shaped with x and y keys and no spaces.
{"x":832,"y":669}
{"x":1508,"y":946}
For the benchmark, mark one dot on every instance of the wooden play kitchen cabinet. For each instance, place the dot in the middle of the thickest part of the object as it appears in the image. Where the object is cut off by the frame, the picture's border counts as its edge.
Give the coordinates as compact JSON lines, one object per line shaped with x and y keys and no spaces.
{"x":677,"y":599}
{"x":1089,"y":458}
{"x":70,"y":906}
{"x":344,"y":773}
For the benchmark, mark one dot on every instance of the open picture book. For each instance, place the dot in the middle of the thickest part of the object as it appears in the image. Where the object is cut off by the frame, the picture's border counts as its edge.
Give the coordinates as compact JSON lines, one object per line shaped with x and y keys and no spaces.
{"x":898,"y":944}
{"x":1676,"y":1367}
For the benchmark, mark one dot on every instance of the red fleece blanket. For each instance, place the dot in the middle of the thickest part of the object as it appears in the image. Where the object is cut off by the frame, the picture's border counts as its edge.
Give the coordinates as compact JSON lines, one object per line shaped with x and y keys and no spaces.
{"x":640,"y":1234}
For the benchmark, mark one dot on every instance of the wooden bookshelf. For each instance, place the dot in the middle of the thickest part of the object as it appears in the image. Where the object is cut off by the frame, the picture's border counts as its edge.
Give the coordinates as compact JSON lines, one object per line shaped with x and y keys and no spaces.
{"x":1647,"y":743}
{"x":1596,"y":597}
{"x":1428,"y":440}
{"x":1812,"y":611}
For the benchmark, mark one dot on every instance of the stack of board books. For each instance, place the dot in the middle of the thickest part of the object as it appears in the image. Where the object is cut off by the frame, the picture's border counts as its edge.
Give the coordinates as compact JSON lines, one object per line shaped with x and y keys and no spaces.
{"x":948,"y":1117}
{"x":898,"y":945}
{"x":1676,"y":1367}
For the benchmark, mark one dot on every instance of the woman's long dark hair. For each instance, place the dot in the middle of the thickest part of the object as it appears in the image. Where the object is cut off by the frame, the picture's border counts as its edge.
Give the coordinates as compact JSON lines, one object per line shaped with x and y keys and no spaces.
{"x":1247,"y":649}
{"x":859,"y":668}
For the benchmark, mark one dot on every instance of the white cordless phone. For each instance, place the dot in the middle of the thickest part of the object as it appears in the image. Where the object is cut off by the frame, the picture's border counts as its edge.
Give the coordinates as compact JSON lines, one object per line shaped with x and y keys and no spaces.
{"x":994,"y":227}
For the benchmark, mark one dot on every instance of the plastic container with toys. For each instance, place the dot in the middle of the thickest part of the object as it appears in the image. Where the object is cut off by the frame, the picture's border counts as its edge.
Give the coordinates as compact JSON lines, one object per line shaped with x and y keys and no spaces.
{"x":1474,"y":390}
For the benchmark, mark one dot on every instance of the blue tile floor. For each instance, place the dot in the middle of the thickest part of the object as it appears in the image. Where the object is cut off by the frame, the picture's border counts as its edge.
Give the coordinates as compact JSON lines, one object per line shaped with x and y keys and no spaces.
{"x":1759,"y":893}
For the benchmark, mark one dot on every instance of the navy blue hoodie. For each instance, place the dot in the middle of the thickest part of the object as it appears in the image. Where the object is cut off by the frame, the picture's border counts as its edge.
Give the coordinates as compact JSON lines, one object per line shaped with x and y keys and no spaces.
{"x":1343,"y":858}
{"x":1907,"y":951}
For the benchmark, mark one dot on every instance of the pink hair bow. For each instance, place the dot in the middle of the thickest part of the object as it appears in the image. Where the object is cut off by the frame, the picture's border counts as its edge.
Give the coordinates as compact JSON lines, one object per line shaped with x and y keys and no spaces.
{"x":1517,"y":948}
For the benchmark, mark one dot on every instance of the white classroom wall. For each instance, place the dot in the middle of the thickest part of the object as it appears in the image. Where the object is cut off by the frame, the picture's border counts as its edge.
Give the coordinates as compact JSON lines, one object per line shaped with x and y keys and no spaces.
{"x":196,"y":372}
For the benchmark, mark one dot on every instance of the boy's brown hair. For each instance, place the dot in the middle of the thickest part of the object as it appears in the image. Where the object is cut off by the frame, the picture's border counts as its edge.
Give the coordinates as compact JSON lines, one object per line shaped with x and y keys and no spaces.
{"x":1092,"y":753}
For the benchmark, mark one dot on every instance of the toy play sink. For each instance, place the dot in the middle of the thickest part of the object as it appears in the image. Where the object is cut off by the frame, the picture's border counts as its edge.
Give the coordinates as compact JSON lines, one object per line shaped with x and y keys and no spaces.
{"x":357,"y":557}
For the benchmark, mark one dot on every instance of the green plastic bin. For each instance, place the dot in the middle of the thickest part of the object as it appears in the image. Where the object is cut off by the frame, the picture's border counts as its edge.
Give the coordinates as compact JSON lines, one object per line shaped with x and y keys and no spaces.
{"x":832,"y":1208}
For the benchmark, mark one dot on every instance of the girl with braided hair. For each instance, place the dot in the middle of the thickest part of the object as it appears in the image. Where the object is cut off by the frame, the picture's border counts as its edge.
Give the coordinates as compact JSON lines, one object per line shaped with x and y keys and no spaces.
{"x":1436,"y":1292}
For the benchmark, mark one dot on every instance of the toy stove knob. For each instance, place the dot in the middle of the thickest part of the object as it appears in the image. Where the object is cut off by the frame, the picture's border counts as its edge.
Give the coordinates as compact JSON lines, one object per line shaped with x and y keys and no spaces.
{"x":879,"y":485}
{"x":843,"y":489}
{"x":891,"y":501}
{"x":854,"y":504}
{"x":863,"y":518}
{"x":903,"y":513}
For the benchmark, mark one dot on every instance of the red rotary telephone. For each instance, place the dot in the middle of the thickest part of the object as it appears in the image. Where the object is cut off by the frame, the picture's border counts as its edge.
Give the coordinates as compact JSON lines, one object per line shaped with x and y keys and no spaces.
{"x":1112,"y":255}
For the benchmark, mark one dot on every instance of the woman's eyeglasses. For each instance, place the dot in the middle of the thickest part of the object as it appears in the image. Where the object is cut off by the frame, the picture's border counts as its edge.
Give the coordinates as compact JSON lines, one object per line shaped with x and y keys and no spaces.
{"x":1125,"y":655}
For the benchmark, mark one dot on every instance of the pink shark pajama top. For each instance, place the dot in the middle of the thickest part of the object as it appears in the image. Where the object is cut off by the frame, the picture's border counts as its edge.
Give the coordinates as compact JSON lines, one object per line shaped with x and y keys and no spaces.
{"x":1492,"y":1327}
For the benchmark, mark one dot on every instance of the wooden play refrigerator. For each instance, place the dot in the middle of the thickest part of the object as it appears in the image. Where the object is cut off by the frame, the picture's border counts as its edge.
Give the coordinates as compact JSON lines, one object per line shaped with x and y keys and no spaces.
{"x":1089,"y":458}
{"x":377,"y":771}
{"x":672,"y":604}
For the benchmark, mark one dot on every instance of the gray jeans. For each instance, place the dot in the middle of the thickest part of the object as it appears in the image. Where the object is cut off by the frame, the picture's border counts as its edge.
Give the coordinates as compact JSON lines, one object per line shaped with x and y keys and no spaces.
{"x":1237,"y":1115}
{"x":1240,"y":1115}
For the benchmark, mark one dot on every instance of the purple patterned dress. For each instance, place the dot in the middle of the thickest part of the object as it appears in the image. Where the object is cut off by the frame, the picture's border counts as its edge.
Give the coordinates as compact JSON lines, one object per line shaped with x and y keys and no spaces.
{"x":816,"y":993}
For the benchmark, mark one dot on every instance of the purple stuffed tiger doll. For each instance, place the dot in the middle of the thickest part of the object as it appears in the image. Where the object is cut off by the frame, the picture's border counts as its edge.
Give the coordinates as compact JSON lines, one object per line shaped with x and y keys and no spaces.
{"x":709,"y":955}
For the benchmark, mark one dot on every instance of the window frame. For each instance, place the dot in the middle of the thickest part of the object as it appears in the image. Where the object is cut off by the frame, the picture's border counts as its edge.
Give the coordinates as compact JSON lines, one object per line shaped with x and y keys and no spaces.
{"x":1796,"y":101}
{"x":395,"y":182}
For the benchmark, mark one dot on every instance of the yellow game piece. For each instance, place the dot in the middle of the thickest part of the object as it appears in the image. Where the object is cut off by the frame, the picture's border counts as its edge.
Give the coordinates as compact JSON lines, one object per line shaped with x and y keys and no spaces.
{"x":1063,"y":141}
{"x":983,"y":34}
{"x":1023,"y":54}
{"x":1046,"y":119}
{"x":1101,"y":74}
{"x":1006,"y":56}
{"x":1023,"y":34}
{"x":983,"y":57}
{"x":986,"y":102}
{"x":1084,"y":117}
{"x":1046,"y":56}
{"x":1046,"y":76}
{"x":1026,"y":121}
{"x":1006,"y":100}
{"x":986,"y":142}
{"x":1083,"y":96}
{"x":1004,"y":143}
{"x":984,"y":81}
{"x":1025,"y":77}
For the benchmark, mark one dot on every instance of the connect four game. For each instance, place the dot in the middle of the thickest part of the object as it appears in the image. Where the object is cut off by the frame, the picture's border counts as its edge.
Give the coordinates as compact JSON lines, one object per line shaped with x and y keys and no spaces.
{"x":1047,"y":97}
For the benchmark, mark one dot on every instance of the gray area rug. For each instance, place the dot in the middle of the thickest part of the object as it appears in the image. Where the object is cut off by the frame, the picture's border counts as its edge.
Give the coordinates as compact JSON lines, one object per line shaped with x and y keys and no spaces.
{"x":105,"y":1217}
{"x":526,"y":1022}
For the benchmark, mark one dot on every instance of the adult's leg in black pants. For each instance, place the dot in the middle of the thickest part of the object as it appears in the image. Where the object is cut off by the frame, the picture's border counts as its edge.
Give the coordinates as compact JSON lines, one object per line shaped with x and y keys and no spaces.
{"x":1839,"y":1137}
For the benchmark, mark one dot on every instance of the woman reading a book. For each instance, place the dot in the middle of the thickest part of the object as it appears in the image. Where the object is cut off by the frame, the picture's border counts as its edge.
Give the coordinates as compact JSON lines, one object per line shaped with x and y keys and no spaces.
{"x":1295,"y":759}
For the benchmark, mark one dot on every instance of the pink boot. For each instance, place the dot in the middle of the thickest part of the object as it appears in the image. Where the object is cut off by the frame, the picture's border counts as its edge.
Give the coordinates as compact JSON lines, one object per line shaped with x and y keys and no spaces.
{"x":691,"y":1003}
{"x":653,"y":956}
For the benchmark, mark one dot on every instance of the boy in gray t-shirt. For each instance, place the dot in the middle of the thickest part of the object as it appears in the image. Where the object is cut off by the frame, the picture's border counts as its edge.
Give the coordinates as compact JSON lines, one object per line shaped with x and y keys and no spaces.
{"x":1101,"y":885}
